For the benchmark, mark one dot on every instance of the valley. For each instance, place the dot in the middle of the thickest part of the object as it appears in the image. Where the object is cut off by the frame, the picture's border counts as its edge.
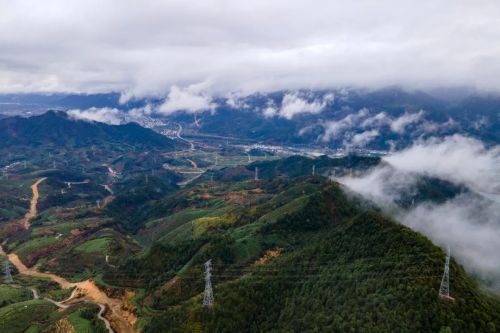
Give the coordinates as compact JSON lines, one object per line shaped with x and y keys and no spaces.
{"x":85,"y":291}
{"x":249,"y":167}
{"x":114,"y":236}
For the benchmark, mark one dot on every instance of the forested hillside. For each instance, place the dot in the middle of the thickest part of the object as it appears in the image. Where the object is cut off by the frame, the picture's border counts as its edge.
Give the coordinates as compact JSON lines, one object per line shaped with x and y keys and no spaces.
{"x":296,"y":255}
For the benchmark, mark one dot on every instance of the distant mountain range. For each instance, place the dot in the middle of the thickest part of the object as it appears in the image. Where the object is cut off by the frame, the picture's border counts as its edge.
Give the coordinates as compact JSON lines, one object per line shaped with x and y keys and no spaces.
{"x":57,"y":128}
{"x":348,"y":118}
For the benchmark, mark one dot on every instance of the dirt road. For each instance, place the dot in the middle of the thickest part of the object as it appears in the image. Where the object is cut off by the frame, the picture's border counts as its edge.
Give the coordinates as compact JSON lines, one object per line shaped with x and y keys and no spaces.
{"x":25,"y":221}
{"x":120,"y":319}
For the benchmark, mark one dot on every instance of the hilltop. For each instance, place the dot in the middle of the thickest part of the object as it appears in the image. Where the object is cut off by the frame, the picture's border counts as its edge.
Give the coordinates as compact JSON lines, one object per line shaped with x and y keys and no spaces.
{"x":290,"y":251}
{"x":58,"y":129}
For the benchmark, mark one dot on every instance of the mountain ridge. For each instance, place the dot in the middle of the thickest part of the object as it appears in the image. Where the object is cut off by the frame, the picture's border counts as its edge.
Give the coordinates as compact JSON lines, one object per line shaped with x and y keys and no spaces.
{"x":57,"y":128}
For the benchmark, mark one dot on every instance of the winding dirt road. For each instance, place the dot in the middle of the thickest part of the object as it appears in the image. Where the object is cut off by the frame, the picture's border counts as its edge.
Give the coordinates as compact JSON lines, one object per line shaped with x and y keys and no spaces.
{"x":25,"y":221}
{"x":118,"y":319}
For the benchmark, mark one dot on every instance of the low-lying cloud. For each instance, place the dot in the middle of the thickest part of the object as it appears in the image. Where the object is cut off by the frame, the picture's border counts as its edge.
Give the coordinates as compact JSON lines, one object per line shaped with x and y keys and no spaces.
{"x":109,"y":116}
{"x":358,"y":129}
{"x":191,"y":99}
{"x":468,"y":222}
{"x":399,"y":124}
{"x":293,"y":104}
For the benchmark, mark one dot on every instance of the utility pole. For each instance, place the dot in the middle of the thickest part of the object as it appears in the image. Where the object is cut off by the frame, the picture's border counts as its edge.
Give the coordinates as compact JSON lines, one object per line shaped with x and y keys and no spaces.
{"x":444,"y":288}
{"x":8,"y":277}
{"x":208,"y":297}
{"x":256,"y":173}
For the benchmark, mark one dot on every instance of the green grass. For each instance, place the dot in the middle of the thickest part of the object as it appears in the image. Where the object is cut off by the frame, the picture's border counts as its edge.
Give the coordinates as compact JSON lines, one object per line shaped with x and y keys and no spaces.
{"x":202,"y":224}
{"x":9,"y":295}
{"x":161,"y":227}
{"x":65,"y":228}
{"x":19,"y":316}
{"x":293,"y":206}
{"x":98,"y":245}
{"x":33,"y":329}
{"x":80,"y":324}
{"x":184,"y":232}
{"x":34,"y":245}
{"x":247,"y":247}
{"x":59,"y":294}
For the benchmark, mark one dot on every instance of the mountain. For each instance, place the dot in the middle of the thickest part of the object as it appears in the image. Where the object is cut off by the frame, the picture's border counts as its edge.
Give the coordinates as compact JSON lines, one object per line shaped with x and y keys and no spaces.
{"x":349,"y":118}
{"x":295,"y":255}
{"x":58,"y":129}
{"x":290,"y":251}
{"x":378,"y":119}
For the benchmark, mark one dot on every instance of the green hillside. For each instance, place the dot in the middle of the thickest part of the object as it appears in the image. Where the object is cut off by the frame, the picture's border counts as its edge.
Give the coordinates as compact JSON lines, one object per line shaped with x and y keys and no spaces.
{"x":290,"y":252}
{"x":326,"y":265}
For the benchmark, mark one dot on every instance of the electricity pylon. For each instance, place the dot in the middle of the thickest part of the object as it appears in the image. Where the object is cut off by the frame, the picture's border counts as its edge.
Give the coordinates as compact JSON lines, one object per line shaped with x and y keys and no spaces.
{"x":8,"y":275}
{"x":444,"y":288}
{"x":208,"y":297}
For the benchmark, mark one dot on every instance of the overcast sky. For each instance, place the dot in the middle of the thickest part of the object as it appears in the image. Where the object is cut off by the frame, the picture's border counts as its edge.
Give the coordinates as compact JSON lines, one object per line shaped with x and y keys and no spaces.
{"x":144,"y":47}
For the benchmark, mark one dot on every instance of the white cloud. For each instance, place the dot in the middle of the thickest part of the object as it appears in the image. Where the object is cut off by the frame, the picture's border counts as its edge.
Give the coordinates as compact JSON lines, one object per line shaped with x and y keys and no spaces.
{"x":469,"y":222}
{"x":378,"y":120}
{"x":399,"y":124}
{"x":104,"y":115}
{"x":236,"y":101}
{"x":137,"y":113}
{"x":362,"y":139}
{"x":269,"y":111}
{"x":455,"y":158}
{"x":296,"y":103}
{"x":335,"y":129}
{"x":145,"y":49}
{"x":430,"y":127}
{"x":191,"y":99}
{"x":344,"y":128}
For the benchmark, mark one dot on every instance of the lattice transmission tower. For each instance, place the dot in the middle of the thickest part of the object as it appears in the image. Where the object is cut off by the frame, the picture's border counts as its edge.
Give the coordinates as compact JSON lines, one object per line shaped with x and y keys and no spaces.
{"x":8,"y":276}
{"x":444,"y":288}
{"x":208,"y":297}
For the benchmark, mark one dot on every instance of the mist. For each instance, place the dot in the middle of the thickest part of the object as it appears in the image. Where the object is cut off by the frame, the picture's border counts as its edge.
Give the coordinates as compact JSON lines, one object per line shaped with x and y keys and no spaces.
{"x":469,"y":222}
